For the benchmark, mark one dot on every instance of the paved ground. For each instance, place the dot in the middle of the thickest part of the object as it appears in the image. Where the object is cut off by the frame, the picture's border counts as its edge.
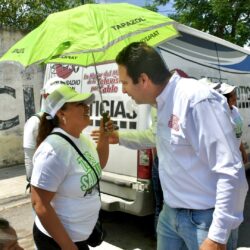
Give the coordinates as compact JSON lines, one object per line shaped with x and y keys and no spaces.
{"x":13,"y":200}
{"x":12,"y":187}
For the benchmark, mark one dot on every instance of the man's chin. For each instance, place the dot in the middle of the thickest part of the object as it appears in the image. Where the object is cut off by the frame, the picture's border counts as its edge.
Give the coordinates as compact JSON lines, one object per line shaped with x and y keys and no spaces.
{"x":140,"y":102}
{"x":136,"y":101}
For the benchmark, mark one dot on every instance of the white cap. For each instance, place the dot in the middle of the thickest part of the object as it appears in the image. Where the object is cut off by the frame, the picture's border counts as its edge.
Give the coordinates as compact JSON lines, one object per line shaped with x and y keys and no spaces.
{"x":51,"y":84}
{"x":206,"y":81}
{"x":48,"y":87}
{"x":226,"y":88}
{"x":63,"y":94}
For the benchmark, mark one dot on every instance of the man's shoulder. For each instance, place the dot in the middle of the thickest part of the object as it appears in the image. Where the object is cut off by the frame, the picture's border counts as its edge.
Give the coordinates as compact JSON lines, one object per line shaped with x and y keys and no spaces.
{"x":192,"y":90}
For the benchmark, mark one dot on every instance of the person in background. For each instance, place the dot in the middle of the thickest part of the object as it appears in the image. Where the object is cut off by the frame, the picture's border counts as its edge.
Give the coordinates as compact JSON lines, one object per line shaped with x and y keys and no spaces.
{"x":229,"y":92}
{"x":31,"y":130}
{"x":8,"y":236}
{"x":206,"y":81}
{"x":64,"y":189}
{"x":201,"y":172}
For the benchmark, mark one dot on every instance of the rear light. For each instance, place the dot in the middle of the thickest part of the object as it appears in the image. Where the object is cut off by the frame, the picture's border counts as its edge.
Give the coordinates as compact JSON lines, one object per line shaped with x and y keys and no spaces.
{"x":144,"y":164}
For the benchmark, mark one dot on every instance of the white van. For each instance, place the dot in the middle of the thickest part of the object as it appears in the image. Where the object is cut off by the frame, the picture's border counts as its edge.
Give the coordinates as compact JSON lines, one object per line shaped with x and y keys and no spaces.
{"x":126,"y":180}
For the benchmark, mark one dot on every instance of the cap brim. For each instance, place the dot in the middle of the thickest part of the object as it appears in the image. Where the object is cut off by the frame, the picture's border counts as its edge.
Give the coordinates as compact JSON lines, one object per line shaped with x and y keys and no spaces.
{"x":229,"y":90}
{"x":215,"y":85}
{"x":206,"y":81}
{"x":86,"y":98}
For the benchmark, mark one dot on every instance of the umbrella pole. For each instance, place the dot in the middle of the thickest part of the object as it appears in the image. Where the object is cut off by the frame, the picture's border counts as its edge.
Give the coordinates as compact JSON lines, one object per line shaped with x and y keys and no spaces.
{"x":105,"y":114}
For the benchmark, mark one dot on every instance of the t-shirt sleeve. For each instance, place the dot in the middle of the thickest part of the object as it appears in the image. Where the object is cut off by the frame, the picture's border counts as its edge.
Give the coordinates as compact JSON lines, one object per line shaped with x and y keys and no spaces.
{"x":49,"y":170}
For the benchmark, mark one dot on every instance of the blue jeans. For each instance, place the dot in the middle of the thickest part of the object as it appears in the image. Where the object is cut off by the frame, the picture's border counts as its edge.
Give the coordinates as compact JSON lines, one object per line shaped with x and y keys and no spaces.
{"x":186,"y":229}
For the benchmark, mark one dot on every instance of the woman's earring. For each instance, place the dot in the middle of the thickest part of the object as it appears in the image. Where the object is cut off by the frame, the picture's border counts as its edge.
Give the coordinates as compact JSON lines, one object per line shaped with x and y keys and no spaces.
{"x":64,"y":120}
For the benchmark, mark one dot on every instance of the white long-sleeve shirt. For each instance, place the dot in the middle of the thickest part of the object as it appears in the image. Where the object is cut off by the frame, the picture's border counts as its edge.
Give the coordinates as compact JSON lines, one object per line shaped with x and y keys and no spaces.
{"x":140,"y":139}
{"x":199,"y":161}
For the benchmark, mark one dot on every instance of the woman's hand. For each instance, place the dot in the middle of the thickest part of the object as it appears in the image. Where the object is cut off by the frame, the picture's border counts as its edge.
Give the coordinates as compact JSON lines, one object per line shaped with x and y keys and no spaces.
{"x":109,"y":127}
{"x":107,"y":130}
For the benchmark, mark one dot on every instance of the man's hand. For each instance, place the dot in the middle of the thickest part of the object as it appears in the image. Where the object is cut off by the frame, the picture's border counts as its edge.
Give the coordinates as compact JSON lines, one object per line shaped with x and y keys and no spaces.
{"x":113,"y":136}
{"x":212,"y":245}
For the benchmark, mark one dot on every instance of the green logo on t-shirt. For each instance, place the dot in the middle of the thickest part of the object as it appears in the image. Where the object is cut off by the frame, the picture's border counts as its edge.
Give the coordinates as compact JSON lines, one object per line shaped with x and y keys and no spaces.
{"x":88,"y":179}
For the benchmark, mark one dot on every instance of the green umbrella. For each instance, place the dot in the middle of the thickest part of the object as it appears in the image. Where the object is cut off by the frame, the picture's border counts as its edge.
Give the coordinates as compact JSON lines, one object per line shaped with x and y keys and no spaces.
{"x":90,"y":34}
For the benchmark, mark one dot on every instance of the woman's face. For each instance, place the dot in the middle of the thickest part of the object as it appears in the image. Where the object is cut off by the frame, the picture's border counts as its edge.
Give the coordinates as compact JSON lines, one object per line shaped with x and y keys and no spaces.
{"x":232,"y":99}
{"x":75,"y":117}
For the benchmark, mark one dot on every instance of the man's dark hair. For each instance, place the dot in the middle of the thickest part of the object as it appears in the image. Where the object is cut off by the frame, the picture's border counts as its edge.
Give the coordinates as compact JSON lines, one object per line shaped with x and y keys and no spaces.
{"x":140,"y":58}
{"x":4,"y":224}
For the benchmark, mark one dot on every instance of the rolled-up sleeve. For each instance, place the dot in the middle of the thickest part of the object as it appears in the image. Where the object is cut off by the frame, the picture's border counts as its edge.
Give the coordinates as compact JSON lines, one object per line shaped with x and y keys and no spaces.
{"x":140,"y":139}
{"x":137,"y":139}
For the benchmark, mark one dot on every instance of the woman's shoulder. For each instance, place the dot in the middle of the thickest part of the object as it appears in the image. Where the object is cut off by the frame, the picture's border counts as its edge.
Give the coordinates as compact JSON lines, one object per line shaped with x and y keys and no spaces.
{"x":86,"y":141}
{"x":56,"y":141}
{"x":54,"y":149}
{"x":54,"y":144}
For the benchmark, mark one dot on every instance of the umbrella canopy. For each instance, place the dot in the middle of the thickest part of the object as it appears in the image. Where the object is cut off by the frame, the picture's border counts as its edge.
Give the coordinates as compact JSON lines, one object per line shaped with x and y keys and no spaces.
{"x":90,"y":34}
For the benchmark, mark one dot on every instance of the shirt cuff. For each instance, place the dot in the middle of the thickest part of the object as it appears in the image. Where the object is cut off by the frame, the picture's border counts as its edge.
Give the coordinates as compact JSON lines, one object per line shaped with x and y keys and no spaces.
{"x":219,"y":235}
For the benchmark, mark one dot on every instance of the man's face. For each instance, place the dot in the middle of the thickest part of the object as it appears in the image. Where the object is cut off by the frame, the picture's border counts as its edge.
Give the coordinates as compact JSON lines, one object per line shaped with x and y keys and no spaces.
{"x":135,"y":91}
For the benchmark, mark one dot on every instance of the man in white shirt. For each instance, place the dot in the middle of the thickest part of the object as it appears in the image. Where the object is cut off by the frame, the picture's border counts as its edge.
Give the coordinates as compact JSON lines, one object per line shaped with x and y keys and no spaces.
{"x":200,"y":167}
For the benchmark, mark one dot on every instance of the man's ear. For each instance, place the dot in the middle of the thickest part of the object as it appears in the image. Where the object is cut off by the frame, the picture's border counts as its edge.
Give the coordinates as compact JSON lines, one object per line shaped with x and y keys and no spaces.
{"x":144,"y":79}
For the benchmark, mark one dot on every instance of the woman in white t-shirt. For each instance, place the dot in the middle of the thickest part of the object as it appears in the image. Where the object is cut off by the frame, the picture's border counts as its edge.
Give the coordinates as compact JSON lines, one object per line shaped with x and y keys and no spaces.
{"x":229,"y":92}
{"x":64,"y":187}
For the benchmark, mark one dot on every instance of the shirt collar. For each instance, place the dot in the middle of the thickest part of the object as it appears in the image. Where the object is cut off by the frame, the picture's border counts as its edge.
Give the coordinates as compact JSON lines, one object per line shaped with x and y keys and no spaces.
{"x":161,"y":98}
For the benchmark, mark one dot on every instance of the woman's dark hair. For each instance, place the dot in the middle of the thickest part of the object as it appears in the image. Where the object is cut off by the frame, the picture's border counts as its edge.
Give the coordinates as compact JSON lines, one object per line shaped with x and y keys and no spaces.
{"x":45,"y":128}
{"x":140,"y":58}
{"x":229,"y":95}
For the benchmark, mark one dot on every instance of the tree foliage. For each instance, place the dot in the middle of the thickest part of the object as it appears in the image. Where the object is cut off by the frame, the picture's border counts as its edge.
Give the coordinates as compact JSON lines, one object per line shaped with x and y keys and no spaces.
{"x":153,"y":5}
{"x":25,"y":15}
{"x":227,"y":19}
